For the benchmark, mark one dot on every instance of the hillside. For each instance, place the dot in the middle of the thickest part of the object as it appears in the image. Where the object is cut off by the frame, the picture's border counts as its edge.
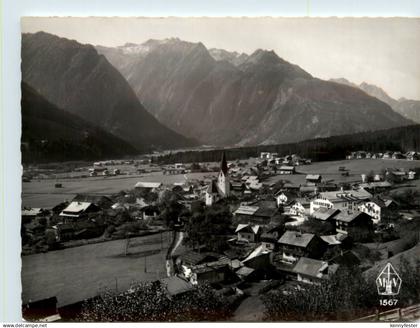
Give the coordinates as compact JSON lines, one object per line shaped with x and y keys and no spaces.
{"x":75,"y":78}
{"x":229,"y":99}
{"x":410,"y":109}
{"x":51,"y":134}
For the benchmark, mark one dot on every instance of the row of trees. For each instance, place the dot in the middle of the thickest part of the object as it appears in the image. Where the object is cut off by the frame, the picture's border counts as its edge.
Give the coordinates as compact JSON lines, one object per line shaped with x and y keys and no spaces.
{"x":332,"y":148}
{"x":347,"y":296}
{"x":149,"y":301}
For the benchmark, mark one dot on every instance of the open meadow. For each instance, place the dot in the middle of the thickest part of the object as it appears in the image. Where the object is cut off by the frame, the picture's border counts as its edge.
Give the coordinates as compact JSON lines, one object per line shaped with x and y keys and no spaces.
{"x":77,"y":273}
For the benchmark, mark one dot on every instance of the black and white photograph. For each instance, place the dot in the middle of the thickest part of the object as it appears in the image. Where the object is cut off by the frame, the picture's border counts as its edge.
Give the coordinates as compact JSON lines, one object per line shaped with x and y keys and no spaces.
{"x":220,"y":169}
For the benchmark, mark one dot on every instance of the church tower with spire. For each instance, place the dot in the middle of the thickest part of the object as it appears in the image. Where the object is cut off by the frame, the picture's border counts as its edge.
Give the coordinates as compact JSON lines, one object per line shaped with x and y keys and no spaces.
{"x":223,"y":181}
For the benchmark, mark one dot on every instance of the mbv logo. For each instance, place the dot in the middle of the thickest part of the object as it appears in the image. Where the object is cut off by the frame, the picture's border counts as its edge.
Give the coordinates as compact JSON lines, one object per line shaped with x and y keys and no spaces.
{"x":388,"y":281}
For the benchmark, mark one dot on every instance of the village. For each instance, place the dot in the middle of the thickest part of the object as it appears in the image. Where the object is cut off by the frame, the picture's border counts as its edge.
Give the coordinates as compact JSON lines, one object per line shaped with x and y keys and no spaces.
{"x":246,"y":228}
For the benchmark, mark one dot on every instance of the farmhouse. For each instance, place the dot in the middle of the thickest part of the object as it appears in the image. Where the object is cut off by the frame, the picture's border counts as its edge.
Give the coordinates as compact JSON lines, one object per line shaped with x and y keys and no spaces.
{"x":312,"y":271}
{"x":357,"y":225}
{"x":249,"y":233}
{"x":375,"y":208}
{"x":286,"y":169}
{"x":284,"y":198}
{"x":313,"y":179}
{"x":294,"y":245}
{"x":77,"y":210}
{"x":347,"y":200}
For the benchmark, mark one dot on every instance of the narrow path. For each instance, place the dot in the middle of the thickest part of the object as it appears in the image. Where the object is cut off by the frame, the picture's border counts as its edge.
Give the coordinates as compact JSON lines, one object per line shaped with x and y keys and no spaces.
{"x":177,"y":237}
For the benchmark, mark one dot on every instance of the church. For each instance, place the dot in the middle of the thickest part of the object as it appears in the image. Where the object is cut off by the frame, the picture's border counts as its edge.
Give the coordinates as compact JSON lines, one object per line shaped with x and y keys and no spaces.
{"x":219,"y":188}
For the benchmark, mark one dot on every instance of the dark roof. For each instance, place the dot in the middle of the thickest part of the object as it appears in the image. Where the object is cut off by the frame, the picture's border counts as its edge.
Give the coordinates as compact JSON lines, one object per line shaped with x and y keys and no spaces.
{"x":195,"y":258}
{"x":314,"y":268}
{"x":324,"y":213}
{"x":175,"y":285}
{"x":350,"y":216}
{"x":347,"y":258}
{"x":223,"y":164}
{"x":99,"y":200}
{"x":296,"y":238}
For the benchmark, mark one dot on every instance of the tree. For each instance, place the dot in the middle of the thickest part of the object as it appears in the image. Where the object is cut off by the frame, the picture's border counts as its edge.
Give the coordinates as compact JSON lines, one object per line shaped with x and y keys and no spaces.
{"x":170,"y":208}
{"x":149,"y":301}
{"x":344,"y":297}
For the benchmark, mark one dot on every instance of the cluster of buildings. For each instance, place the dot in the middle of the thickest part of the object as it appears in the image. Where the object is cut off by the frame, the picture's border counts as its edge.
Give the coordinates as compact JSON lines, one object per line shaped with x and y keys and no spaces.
{"x":361,"y":154}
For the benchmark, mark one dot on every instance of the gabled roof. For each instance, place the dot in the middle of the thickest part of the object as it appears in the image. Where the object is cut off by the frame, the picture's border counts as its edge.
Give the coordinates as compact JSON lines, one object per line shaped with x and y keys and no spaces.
{"x":313,"y":176}
{"x":296,"y":238}
{"x":31,"y":211}
{"x":325,"y":213}
{"x":349,"y":216}
{"x":260,"y":250}
{"x":314,"y":268}
{"x":246,"y":210}
{"x":149,"y":185}
{"x":247,"y":227}
{"x":175,"y":285}
{"x":245,"y":271}
{"x":76,"y":208}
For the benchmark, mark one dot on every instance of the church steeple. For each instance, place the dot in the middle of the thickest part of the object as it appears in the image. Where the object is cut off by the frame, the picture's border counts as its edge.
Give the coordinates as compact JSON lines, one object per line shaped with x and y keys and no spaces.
{"x":223,"y":164}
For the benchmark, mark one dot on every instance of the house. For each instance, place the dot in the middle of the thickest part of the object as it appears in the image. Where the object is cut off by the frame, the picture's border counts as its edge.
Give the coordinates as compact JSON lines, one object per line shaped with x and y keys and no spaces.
{"x":298,"y":207}
{"x":249,"y":233}
{"x":313,"y":179}
{"x":347,"y":200}
{"x":346,"y":259}
{"x":398,"y":176}
{"x":360,"y":154}
{"x":311,"y":271}
{"x":246,"y":274}
{"x":259,"y":258}
{"x":375,"y":208}
{"x":77,"y":210}
{"x":200,"y":267}
{"x":286,"y":169}
{"x":355,"y":224}
{"x":221,"y":188}
{"x":294,"y":245}
{"x":412,"y":156}
{"x":255,"y":214}
{"x":325,"y":214}
{"x":270,"y":236}
{"x":387,"y":155}
{"x":100,"y":201}
{"x":411,"y":175}
{"x":376,"y":186}
{"x":151,"y":186}
{"x":29,"y":214}
{"x":283,"y":198}
{"x":149,"y":212}
{"x":175,"y":286}
{"x":398,"y":155}
{"x":339,"y":239}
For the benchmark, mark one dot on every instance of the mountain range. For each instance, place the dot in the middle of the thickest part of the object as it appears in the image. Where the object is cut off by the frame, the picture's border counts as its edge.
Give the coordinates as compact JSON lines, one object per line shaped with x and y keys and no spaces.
{"x":51,"y":134}
{"x":410,"y":109}
{"x":76,"y":79}
{"x":226,"y":98}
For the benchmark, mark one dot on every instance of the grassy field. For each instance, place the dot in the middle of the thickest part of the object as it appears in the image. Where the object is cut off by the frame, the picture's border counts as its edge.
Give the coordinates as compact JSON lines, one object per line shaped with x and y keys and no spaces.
{"x":330,"y":172}
{"x":74,"y":274}
{"x":42,"y":193}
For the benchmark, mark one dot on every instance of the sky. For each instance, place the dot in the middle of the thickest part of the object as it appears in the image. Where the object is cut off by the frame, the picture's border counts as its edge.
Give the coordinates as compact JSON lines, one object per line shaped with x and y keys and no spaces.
{"x":380,"y":51}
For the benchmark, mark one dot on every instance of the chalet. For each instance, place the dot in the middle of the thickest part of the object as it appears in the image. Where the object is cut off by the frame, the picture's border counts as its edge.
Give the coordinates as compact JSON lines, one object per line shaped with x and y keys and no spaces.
{"x":313,"y":179}
{"x":100,"y":201}
{"x":294,"y":245}
{"x":286,"y":169}
{"x":151,"y":186}
{"x":249,"y":233}
{"x":411,"y":175}
{"x":298,"y":207}
{"x":325,"y":214}
{"x":77,"y":210}
{"x":311,"y":271}
{"x":398,"y":176}
{"x":355,"y":224}
{"x":347,"y":200}
{"x":259,"y":258}
{"x":255,"y":214}
{"x":175,"y":286}
{"x":29,"y":214}
{"x":284,"y":198}
{"x":375,"y":208}
{"x":200,"y":267}
{"x":398,"y":155}
{"x":149,"y":212}
{"x":270,"y":236}
{"x":412,"y":156}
